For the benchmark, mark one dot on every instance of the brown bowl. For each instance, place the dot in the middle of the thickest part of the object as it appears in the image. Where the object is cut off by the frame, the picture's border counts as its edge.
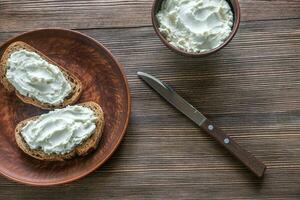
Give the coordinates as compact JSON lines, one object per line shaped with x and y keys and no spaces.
{"x":235,"y":7}
{"x":104,"y":82}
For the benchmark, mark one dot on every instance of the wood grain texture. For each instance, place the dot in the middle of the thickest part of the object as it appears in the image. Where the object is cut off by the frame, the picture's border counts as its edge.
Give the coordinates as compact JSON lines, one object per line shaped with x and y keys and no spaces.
{"x":80,"y":14}
{"x":250,"y":89}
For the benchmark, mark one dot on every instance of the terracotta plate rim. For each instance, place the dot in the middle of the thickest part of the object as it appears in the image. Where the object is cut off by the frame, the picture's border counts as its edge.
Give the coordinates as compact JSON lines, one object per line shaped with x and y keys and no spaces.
{"x":32,"y":183}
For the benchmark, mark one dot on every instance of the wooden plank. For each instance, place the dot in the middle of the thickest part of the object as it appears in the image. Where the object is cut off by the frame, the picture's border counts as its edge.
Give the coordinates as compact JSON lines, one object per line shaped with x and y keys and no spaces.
{"x":251,"y":89}
{"x":31,"y":14}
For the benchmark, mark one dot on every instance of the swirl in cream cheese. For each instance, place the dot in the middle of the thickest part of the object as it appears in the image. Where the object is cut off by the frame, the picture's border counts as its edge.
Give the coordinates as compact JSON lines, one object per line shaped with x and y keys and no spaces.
{"x":61,"y":130}
{"x":195,"y":25}
{"x":34,"y":77}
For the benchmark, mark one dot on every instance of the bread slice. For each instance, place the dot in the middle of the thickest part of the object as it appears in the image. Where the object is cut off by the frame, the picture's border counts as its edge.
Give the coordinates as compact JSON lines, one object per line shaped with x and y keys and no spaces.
{"x":73,"y":80}
{"x":84,"y":148}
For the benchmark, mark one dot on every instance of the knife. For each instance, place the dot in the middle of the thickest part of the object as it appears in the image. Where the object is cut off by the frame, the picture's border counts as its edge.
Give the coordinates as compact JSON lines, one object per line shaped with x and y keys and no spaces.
{"x":251,"y":162}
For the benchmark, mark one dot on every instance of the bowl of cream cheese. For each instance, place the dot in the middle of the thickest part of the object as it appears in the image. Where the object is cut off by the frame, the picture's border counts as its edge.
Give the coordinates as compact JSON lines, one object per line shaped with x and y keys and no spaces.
{"x":196,"y":28}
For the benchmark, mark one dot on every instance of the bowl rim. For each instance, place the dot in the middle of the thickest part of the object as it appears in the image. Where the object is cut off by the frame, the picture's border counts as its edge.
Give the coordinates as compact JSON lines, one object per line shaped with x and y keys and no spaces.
{"x":237,"y":18}
{"x":123,"y":132}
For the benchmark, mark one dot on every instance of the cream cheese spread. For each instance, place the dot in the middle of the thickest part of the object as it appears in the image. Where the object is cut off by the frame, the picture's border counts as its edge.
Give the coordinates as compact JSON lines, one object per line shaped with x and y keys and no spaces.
{"x":61,"y":130}
{"x":34,"y":77}
{"x":195,"y":25}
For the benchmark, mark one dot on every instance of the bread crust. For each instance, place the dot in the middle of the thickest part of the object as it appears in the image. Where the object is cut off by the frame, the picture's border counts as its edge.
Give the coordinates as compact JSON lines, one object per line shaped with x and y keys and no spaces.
{"x":72,"y":79}
{"x":84,"y":148}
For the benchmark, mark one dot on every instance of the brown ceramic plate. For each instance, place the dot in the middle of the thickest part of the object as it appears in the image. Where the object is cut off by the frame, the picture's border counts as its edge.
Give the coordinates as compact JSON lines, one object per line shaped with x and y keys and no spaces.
{"x":103,"y":82}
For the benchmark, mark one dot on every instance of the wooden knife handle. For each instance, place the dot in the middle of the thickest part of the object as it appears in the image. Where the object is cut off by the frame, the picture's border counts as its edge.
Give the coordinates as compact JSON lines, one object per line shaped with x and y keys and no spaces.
{"x":251,"y":162}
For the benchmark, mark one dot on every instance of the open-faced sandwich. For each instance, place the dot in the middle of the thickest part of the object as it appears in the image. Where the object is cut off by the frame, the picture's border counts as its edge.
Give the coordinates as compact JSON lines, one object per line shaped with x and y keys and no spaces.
{"x":36,"y":79}
{"x":62,"y":133}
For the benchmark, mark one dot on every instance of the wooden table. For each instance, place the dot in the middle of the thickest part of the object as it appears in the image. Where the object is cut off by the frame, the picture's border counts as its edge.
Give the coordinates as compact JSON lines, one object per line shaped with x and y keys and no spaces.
{"x":251,"y":89}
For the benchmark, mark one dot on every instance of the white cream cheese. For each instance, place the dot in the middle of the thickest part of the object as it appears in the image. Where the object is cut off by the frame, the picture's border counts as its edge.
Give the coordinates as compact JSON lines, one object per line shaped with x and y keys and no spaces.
{"x":34,"y":77}
{"x":61,"y":130}
{"x":195,"y":25}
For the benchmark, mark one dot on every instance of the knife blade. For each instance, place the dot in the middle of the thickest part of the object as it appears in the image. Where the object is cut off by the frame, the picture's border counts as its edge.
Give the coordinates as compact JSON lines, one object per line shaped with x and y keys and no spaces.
{"x":173,"y":98}
{"x":169,"y":94}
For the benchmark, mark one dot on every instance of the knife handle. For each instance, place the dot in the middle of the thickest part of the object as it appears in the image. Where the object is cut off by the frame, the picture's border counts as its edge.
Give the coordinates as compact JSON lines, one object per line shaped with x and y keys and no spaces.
{"x":251,"y":162}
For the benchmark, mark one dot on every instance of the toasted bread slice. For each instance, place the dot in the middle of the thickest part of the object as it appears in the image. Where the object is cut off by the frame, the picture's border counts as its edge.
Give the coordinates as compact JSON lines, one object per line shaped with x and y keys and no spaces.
{"x":72,"y":79}
{"x":82,"y":149}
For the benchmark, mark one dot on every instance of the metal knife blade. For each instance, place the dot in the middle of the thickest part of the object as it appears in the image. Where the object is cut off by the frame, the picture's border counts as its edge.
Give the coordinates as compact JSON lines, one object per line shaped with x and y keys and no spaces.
{"x":173,"y":98}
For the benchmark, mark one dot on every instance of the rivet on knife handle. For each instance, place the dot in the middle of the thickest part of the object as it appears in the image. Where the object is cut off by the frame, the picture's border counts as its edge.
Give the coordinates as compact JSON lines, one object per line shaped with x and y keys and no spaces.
{"x":251,"y":162}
